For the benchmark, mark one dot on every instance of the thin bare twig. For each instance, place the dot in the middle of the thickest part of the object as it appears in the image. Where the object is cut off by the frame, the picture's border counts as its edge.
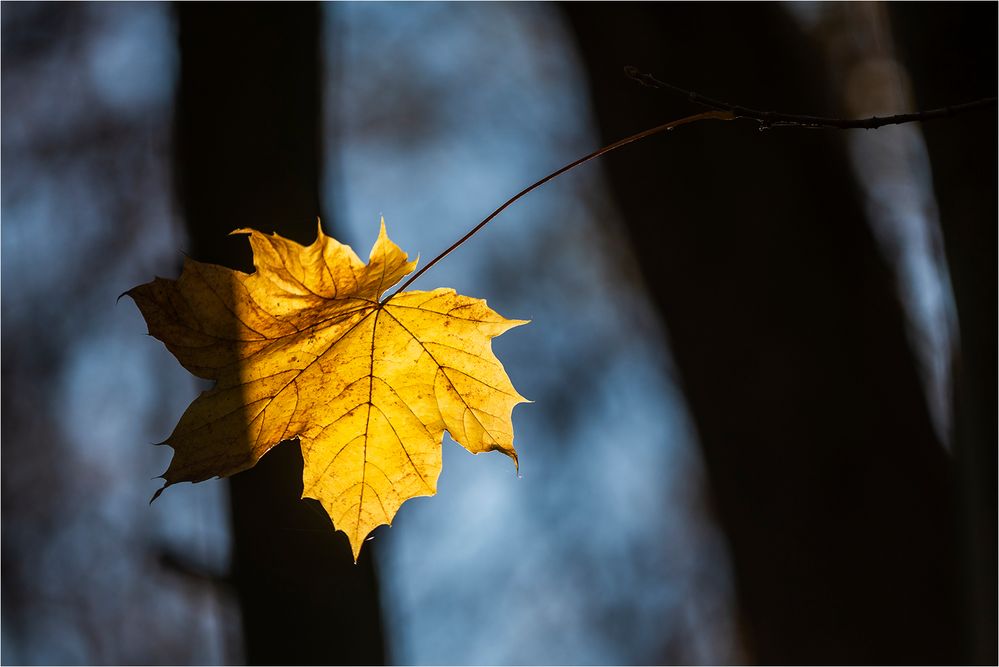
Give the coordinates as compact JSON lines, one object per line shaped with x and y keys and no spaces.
{"x":719,"y":111}
{"x":768,"y":119}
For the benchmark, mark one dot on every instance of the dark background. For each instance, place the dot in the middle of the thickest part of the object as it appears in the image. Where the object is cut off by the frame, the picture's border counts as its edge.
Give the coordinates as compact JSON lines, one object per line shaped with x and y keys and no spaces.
{"x":843,"y":431}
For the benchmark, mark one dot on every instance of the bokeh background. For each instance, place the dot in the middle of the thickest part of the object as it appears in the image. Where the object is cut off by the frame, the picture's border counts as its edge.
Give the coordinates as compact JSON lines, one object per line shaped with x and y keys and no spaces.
{"x":762,"y":362}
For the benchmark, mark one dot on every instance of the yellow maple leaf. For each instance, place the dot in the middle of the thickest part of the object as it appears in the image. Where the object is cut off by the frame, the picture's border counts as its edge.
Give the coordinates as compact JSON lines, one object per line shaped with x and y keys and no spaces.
{"x":303,"y":348}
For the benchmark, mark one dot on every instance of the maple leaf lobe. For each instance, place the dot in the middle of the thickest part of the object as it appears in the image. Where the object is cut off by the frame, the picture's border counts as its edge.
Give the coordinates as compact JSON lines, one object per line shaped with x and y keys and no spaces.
{"x":303,"y":348}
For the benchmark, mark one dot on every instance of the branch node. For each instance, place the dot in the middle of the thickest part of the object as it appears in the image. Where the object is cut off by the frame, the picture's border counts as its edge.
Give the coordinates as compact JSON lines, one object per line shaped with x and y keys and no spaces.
{"x":768,"y":119}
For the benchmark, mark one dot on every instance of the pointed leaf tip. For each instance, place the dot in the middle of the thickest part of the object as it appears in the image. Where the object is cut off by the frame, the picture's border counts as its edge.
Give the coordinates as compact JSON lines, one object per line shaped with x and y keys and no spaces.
{"x":158,"y":492}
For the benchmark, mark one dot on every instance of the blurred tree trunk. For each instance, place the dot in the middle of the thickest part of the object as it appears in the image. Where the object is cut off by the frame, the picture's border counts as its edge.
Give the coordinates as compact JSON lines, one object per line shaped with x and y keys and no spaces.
{"x":248,"y":147}
{"x":833,"y":491}
{"x":951,"y":56}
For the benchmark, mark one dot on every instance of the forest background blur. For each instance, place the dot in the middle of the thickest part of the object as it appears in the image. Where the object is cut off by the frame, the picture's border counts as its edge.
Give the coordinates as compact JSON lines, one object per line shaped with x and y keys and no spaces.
{"x":764,"y":426}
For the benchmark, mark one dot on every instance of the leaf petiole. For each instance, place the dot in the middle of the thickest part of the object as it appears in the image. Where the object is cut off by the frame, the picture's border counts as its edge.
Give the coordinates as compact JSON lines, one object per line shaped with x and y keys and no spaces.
{"x":707,"y":115}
